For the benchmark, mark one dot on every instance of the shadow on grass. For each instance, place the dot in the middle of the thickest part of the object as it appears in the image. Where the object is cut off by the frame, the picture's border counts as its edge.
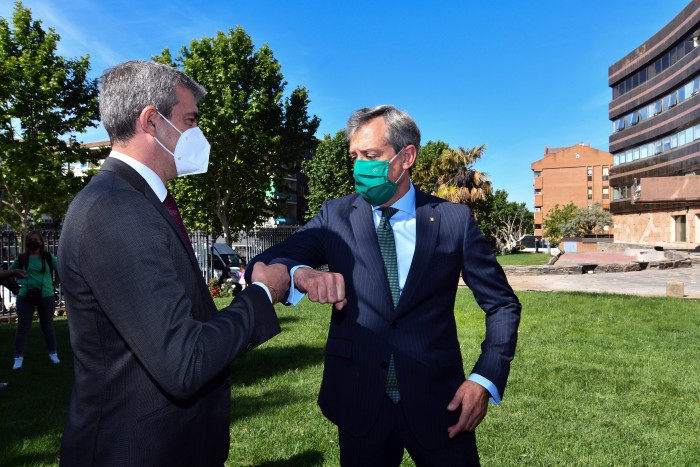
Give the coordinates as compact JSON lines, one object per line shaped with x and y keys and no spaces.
{"x":33,"y":407}
{"x":301,"y":460}
{"x":244,"y":407}
{"x":288,"y":319}
{"x":271,"y":361}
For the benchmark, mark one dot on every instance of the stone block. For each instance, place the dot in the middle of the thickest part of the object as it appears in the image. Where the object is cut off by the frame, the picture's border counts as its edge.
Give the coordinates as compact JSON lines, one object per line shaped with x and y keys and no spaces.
{"x":675,"y":289}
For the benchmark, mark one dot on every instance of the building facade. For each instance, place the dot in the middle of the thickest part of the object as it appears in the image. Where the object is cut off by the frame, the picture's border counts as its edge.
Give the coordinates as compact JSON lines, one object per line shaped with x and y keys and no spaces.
{"x":575,"y":174}
{"x":655,"y":140}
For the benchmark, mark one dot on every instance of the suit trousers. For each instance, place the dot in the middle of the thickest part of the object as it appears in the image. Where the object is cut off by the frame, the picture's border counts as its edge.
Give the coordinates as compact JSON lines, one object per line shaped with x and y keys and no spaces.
{"x":383,"y":445}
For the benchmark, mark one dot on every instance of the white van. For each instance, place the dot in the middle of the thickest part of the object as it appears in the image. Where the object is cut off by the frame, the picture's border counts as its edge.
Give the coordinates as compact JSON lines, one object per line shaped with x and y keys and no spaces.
{"x":221,"y":255}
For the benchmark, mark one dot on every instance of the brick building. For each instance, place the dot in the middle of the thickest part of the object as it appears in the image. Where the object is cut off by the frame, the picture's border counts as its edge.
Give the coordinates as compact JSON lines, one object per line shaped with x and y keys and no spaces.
{"x":655,"y":140}
{"x":575,"y":174}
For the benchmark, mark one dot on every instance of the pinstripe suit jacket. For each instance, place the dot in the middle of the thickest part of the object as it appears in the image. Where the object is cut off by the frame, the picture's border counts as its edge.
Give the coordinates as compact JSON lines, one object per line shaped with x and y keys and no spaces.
{"x":421,"y":331}
{"x":151,"y":353}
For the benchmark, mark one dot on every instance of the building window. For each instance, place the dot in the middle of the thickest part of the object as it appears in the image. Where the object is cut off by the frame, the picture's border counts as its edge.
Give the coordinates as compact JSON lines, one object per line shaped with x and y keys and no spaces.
{"x":620,"y":192}
{"x":538,"y":174}
{"x":679,"y":228}
{"x":538,"y":208}
{"x":590,"y":193}
{"x":538,"y":191}
{"x":590,"y":174}
{"x":606,"y":192}
{"x":606,"y":173}
{"x":538,"y":226}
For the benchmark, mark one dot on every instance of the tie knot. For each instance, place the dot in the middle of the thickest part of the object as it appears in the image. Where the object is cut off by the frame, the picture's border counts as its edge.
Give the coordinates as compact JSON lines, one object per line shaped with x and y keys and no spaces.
{"x":169,"y":201}
{"x":388,"y":212}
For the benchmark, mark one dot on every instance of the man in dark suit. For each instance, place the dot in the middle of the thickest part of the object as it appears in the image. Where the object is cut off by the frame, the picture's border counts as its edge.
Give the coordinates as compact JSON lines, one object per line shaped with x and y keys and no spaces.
{"x":151,"y":353}
{"x":393,"y":375}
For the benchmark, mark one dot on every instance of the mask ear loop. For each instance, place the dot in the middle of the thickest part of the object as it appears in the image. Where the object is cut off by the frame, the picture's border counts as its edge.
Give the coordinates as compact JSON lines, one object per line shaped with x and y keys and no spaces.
{"x":392,"y":160}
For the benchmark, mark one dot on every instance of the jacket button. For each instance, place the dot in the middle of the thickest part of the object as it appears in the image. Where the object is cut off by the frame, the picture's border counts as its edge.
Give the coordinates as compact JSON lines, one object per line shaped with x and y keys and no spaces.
{"x":384,"y":365}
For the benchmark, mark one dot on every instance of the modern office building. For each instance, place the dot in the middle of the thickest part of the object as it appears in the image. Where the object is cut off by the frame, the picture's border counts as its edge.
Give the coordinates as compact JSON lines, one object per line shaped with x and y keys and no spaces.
{"x":655,"y":140}
{"x":575,"y":174}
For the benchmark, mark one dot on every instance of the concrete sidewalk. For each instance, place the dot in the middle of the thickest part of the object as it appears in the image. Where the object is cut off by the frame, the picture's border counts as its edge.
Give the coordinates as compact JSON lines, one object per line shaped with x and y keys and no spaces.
{"x":648,"y":282}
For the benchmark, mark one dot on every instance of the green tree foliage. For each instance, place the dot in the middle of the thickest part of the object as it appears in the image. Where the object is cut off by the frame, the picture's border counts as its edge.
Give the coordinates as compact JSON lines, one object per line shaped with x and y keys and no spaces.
{"x":588,"y":220}
{"x":555,"y":221}
{"x":424,"y":174}
{"x":258,"y":136}
{"x":451,"y":175}
{"x":329,"y":172}
{"x":504,"y":222}
{"x":45,"y":100}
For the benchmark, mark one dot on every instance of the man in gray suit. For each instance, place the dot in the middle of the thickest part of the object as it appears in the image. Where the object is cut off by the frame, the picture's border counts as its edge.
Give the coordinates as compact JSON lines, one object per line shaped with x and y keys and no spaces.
{"x":151,"y":353}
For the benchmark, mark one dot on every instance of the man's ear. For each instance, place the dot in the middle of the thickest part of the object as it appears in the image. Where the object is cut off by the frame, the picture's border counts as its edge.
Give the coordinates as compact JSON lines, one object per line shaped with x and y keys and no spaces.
{"x":147,"y":120}
{"x":409,"y":156}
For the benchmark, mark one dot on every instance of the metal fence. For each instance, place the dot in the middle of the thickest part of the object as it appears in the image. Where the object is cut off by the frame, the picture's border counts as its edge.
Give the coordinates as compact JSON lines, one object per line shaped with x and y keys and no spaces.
{"x":11,"y":246}
{"x":250,"y":244}
{"x":256,"y":241}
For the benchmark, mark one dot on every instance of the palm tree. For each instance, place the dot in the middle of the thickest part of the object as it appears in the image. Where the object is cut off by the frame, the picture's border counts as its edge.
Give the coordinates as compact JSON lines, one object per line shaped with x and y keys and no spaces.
{"x":457,"y":181}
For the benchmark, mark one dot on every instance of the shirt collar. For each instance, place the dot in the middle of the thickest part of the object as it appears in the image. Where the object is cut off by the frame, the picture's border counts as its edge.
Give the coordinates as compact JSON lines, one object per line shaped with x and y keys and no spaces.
{"x":149,"y":175}
{"x":407,"y":203}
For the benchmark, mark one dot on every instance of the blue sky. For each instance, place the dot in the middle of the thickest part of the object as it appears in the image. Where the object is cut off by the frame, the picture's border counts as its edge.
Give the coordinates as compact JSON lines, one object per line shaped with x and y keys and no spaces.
{"x":514,"y":75}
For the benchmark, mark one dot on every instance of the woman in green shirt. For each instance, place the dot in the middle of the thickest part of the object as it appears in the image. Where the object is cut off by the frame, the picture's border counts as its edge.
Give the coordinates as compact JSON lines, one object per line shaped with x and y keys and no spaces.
{"x":36,"y":292}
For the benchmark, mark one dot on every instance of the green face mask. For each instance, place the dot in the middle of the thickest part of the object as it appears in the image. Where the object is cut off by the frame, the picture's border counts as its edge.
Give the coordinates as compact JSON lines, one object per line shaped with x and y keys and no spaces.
{"x":372,"y":180}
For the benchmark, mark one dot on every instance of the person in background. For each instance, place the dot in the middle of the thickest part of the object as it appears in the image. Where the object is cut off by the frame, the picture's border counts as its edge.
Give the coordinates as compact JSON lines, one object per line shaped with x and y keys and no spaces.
{"x":36,"y":292}
{"x":225,"y":274}
{"x":393,"y":377}
{"x":18,"y":274}
{"x":151,"y":351}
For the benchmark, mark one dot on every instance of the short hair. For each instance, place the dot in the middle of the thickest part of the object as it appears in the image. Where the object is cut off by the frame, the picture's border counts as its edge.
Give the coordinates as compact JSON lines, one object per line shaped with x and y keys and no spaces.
{"x":401,"y":128}
{"x":127,"y":88}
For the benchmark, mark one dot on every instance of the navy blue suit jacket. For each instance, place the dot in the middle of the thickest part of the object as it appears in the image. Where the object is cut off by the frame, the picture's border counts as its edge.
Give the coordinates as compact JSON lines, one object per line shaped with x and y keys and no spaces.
{"x":421,"y":331}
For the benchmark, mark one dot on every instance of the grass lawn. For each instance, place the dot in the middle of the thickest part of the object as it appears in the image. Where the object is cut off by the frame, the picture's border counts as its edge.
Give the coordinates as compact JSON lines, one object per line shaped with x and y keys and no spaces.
{"x":523,"y":259}
{"x":598,"y":380}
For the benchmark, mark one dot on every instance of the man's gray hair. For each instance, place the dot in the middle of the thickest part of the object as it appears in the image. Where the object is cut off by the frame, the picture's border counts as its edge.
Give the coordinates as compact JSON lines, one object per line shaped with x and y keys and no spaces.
{"x":401,"y":130}
{"x":128,"y":88}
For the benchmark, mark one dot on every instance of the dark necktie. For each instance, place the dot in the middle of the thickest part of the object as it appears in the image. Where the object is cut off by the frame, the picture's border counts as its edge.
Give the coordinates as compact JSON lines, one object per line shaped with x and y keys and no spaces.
{"x":387,"y":246}
{"x":171,"y":207}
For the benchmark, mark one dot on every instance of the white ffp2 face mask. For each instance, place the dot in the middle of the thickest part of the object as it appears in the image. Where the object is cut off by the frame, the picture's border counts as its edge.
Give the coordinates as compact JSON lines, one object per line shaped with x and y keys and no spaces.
{"x":191,"y":151}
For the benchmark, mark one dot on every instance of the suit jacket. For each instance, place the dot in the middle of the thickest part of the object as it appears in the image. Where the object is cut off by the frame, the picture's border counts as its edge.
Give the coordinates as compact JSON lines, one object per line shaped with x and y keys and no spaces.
{"x":151,"y":353}
{"x":421,"y":331}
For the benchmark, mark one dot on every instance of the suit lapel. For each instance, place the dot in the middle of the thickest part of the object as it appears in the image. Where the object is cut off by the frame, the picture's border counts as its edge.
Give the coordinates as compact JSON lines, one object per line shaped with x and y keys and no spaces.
{"x":139,"y":183}
{"x":427,"y":229}
{"x":367,"y":248}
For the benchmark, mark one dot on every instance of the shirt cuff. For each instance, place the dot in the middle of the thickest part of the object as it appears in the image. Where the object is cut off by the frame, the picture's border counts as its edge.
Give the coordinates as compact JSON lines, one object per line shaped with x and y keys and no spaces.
{"x":490,"y":387}
{"x":264,"y":287}
{"x":295,"y":295}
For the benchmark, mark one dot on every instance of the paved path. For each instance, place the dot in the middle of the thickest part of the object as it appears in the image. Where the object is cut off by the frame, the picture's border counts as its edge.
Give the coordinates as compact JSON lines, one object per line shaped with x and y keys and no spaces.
{"x":650,"y":282}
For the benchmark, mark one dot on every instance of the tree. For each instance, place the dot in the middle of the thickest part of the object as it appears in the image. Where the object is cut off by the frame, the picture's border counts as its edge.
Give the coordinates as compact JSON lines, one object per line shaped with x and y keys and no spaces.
{"x":45,"y":100}
{"x":329,"y":172}
{"x":258,"y":137}
{"x":458,"y":181}
{"x":589,"y":220}
{"x":424,"y":174}
{"x":450,"y":175}
{"x":504,"y":222}
{"x":555,"y":221}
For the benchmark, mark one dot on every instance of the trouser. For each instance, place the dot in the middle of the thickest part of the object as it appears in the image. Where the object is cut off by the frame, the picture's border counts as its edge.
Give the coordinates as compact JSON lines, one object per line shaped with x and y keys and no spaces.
{"x":25,"y":313}
{"x":384,"y":444}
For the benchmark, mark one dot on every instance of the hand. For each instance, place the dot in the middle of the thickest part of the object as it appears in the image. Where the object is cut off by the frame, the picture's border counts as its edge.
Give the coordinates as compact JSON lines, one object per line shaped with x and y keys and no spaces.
{"x":474,"y":399}
{"x":21,"y":273}
{"x":275,"y":277}
{"x":321,"y":287}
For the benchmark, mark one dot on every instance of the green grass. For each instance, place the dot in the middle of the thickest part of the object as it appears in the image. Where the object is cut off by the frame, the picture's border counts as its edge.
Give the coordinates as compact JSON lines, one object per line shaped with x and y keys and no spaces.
{"x":598,"y":380}
{"x":523,"y":259}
